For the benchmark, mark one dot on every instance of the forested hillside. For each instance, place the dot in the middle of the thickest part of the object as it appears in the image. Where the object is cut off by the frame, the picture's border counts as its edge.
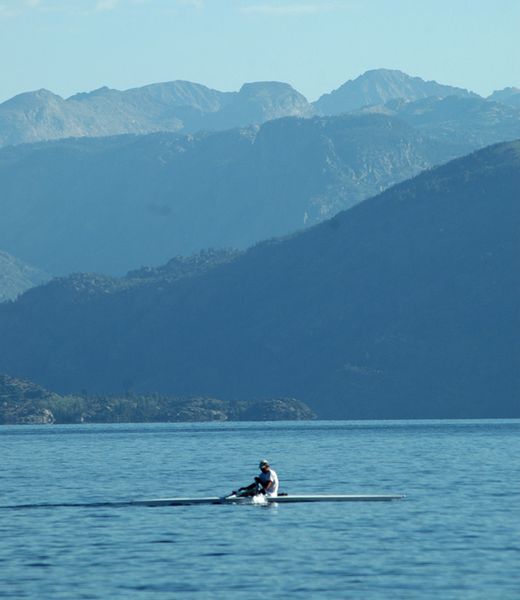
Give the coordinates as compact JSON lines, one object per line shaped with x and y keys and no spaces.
{"x":114,"y":204}
{"x":405,"y":306}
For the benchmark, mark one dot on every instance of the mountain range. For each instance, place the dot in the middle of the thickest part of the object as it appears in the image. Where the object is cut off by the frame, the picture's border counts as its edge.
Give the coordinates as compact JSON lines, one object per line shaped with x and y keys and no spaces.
{"x":404,"y":306}
{"x":509,"y":95}
{"x":113,"y":204}
{"x":185,"y":107}
{"x":461,"y":123}
{"x":174,"y":106}
{"x":379,"y":86}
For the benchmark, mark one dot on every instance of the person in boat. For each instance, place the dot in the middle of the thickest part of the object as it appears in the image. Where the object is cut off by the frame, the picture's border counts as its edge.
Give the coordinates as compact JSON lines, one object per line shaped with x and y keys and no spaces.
{"x":266,"y":483}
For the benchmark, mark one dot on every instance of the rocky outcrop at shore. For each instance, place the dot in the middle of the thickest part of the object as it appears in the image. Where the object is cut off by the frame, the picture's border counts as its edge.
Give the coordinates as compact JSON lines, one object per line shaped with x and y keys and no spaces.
{"x":23,"y":402}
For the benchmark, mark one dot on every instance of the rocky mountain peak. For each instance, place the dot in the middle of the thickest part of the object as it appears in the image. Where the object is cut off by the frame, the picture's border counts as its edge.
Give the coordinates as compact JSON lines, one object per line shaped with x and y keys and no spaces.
{"x":379,"y":86}
{"x":509,"y":96}
{"x":28,"y":100}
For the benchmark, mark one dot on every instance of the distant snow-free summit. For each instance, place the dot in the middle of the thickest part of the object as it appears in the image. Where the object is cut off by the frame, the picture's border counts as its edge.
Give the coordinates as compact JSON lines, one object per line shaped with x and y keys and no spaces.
{"x":378,"y":86}
{"x":186,"y":107}
{"x":178,"y":106}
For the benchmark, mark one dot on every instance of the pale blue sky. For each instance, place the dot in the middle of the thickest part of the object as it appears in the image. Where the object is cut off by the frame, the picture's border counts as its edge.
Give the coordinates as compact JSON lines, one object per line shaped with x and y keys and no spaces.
{"x":78,"y":45}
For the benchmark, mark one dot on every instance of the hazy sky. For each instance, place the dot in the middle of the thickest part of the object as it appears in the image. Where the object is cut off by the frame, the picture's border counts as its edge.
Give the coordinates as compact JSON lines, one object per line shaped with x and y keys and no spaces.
{"x":79,"y":45}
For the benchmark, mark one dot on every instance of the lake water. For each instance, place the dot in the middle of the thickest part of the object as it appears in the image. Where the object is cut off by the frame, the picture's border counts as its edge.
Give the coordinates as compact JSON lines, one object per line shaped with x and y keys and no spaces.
{"x":456,"y":535}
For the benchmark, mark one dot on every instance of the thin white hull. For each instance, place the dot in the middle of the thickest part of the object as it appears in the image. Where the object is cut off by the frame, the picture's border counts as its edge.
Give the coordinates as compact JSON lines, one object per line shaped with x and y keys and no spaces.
{"x":289,"y":499}
{"x":224,"y":500}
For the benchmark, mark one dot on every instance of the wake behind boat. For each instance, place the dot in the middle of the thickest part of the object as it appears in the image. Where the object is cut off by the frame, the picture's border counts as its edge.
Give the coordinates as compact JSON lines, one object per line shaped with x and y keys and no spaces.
{"x":232,"y":499}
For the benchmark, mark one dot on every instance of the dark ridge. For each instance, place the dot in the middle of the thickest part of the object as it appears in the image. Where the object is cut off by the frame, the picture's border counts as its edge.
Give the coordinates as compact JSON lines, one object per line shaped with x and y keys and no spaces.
{"x":405,"y":306}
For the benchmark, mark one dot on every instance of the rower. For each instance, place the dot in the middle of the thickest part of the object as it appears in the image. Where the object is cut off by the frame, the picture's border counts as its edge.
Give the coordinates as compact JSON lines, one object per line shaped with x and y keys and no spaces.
{"x":266,"y":483}
{"x":268,"y":479}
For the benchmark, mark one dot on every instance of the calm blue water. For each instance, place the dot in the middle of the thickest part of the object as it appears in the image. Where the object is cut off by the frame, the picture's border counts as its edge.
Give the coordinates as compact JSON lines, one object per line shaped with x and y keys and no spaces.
{"x":457,"y":535}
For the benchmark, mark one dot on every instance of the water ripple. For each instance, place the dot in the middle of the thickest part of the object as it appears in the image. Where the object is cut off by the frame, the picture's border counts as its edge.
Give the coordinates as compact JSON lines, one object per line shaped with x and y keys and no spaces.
{"x":455,"y":536}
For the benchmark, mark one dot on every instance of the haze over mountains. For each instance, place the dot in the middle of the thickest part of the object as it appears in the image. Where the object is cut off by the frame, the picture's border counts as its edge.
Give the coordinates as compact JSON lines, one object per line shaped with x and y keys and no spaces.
{"x":176,"y":106}
{"x":403,"y":306}
{"x":379,"y":86}
{"x":509,"y":95}
{"x":114,"y":204}
{"x":457,"y":122}
{"x":185,"y":107}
